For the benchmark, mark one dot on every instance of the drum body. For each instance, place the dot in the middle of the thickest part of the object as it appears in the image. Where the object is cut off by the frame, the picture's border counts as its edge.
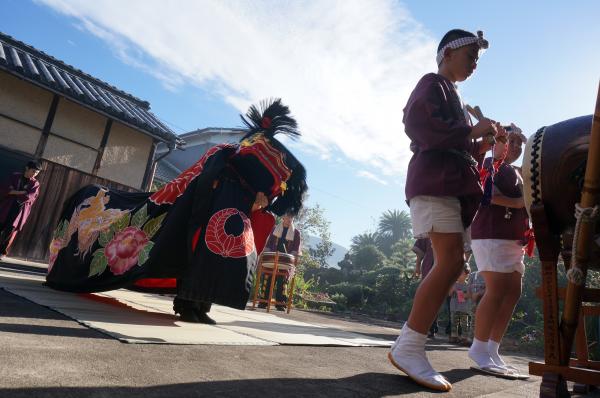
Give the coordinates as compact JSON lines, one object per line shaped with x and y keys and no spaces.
{"x":553,"y":172}
{"x":284,"y":262}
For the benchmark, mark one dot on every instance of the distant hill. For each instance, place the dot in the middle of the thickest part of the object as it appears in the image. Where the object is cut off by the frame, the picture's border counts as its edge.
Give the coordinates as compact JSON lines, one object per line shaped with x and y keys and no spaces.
{"x":338,"y":251}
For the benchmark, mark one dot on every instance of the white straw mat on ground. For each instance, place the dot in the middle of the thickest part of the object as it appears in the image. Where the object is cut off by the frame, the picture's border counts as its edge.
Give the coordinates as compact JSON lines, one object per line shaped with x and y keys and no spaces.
{"x":135,"y":317}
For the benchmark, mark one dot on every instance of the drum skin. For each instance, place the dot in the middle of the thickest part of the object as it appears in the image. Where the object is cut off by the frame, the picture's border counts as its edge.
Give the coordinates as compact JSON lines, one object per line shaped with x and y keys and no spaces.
{"x":553,"y":171}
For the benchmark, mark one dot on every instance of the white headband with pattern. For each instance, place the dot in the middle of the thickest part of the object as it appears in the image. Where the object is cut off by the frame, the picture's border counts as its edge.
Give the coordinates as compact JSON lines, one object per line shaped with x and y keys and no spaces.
{"x":463,"y":41}
{"x":518,"y":132}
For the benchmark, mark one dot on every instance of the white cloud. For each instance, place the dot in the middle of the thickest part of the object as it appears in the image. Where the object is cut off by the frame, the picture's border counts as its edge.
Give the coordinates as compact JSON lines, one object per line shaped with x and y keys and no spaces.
{"x":344,"y":67}
{"x":371,"y":176}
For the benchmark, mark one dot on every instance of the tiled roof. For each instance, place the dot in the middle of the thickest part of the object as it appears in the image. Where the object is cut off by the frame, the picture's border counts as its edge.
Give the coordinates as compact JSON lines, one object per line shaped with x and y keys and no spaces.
{"x":197,"y":142}
{"x":214,"y":130}
{"x":165,"y":171}
{"x":44,"y":70}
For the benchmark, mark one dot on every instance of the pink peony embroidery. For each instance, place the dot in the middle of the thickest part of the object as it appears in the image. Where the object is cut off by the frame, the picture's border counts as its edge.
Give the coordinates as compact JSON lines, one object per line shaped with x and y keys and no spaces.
{"x":55,"y":247}
{"x":123,"y":250}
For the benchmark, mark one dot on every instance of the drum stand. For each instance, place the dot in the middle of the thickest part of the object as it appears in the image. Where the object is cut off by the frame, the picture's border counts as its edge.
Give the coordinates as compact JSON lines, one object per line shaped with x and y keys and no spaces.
{"x":274,"y":271}
{"x":558,"y":367}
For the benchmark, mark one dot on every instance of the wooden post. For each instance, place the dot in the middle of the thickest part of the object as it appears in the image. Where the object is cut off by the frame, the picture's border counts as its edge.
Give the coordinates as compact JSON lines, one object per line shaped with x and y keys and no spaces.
{"x":292,"y":284}
{"x":548,"y":246}
{"x":273,"y":275}
{"x":550,"y":309}
{"x":581,"y":349}
{"x":47,"y":126}
{"x":553,"y":385}
{"x":589,"y":198}
{"x":150,"y":168}
{"x":257,"y":282}
{"x":100,"y":154}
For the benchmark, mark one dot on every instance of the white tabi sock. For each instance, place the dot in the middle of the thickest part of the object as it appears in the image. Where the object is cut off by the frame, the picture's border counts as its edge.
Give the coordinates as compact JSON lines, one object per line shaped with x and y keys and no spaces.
{"x":493,"y":351}
{"x":480,"y":355}
{"x":408,"y":355}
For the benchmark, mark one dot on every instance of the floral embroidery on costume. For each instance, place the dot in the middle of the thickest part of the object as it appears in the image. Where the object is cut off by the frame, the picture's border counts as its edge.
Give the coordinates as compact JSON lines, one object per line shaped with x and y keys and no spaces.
{"x":58,"y":242}
{"x":125,"y":243}
{"x":88,"y":220}
{"x":91,"y":220}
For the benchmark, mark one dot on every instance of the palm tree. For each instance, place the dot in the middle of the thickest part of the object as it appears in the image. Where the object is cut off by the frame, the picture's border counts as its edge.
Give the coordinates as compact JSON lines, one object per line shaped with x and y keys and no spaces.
{"x":361,"y":240}
{"x":395,"y":224}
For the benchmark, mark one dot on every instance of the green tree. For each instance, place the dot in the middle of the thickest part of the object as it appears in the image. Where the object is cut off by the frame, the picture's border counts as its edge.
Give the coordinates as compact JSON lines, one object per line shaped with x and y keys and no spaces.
{"x":393,"y":226}
{"x":312,"y":221}
{"x":375,"y":276}
{"x":402,"y":255}
{"x":394,"y":291}
{"x":325,"y":276}
{"x":353,"y":293}
{"x":346,"y":266}
{"x":367,"y":258}
{"x":395,"y":223}
{"x":364,"y":239}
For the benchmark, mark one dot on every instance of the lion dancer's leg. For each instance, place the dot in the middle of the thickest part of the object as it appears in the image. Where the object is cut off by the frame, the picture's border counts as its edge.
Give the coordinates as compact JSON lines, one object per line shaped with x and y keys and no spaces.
{"x":188,"y":310}
{"x":193,"y":311}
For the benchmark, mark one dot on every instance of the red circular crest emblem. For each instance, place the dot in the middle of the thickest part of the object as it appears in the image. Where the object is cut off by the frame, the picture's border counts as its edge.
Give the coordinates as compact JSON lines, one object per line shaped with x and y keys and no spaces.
{"x":220,"y":242}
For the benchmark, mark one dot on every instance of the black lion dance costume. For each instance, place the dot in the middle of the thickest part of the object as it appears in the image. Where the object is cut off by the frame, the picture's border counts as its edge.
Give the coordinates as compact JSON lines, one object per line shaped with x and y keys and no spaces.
{"x":200,"y":229}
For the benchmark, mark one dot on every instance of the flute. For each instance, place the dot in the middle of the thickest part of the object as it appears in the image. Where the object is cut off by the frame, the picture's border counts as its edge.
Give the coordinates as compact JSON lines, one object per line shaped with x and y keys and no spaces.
{"x":478,"y":114}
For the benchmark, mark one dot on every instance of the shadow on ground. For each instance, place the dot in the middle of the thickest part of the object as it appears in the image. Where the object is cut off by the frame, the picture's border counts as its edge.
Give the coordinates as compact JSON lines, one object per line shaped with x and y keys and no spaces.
{"x":362,"y":385}
{"x":19,"y":309}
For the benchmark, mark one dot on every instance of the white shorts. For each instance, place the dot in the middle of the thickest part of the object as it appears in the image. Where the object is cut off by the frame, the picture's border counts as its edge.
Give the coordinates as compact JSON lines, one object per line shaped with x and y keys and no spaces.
{"x":437,"y":214}
{"x":498,"y":255}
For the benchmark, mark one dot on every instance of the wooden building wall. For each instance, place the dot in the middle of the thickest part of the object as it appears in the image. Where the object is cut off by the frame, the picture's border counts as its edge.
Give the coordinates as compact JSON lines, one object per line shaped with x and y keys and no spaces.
{"x":23,"y":112}
{"x":70,"y":134}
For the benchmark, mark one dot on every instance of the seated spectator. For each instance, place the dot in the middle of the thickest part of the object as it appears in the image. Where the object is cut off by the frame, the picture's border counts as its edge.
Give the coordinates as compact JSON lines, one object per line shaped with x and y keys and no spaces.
{"x":285,"y":238}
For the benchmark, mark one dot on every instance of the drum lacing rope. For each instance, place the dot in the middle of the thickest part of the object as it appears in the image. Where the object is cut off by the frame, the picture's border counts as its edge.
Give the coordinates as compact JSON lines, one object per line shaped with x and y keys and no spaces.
{"x":536,"y":160}
{"x":582,"y":215}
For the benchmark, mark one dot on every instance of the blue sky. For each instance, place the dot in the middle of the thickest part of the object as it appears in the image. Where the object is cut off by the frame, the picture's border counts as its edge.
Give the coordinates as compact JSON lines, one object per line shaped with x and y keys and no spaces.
{"x":345,"y":68}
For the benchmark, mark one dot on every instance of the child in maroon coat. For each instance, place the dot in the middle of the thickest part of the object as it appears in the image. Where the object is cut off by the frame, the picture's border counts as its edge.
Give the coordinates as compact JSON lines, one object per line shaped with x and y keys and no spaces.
{"x":498,"y":235}
{"x":442,"y":188}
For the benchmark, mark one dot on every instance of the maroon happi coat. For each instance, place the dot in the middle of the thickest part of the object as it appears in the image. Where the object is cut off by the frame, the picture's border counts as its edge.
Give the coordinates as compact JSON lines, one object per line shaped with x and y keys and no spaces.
{"x":422,"y":247}
{"x":290,"y":246}
{"x":17,"y":182}
{"x":435,"y":122}
{"x":495,"y":222}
